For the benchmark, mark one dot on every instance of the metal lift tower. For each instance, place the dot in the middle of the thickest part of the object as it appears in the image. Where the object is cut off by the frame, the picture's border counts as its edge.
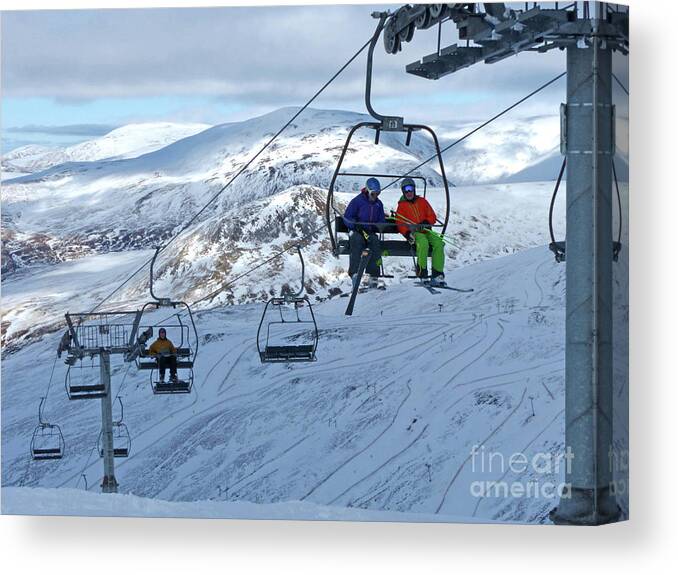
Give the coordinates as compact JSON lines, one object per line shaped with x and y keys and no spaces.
{"x":589,"y":32}
{"x":101,"y":335}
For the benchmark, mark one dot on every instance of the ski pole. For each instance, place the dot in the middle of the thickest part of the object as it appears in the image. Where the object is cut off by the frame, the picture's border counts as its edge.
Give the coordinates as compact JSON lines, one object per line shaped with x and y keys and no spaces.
{"x":444,"y":237}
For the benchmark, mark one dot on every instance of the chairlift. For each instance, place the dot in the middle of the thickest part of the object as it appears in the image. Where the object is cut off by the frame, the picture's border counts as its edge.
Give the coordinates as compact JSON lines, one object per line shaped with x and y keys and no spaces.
{"x":185,"y":341}
{"x":48,"y":440}
{"x":336,"y":224}
{"x":291,"y":332}
{"x":122,"y":441}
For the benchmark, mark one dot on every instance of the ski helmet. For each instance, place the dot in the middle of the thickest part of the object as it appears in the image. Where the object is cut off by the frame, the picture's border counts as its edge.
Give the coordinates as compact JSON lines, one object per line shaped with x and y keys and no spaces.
{"x":373,"y":185}
{"x":407,"y":185}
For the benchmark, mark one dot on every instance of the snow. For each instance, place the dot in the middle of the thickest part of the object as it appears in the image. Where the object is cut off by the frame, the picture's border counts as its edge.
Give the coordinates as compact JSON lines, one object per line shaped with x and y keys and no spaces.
{"x":501,"y":149}
{"x":384,"y":422}
{"x":359,"y":428}
{"x":40,"y":501}
{"x":382,"y":427}
{"x":36,"y":300}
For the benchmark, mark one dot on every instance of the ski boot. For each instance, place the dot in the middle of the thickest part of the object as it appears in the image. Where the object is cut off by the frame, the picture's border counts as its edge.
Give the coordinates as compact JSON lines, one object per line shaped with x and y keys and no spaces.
{"x":438,"y":279}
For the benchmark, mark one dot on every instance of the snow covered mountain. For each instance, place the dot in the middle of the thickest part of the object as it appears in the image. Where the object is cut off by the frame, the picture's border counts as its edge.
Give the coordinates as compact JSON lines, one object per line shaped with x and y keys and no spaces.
{"x":127,"y":141}
{"x":88,"y":207}
{"x":515,"y":150}
{"x":485,"y":222}
{"x":78,"y":210}
{"x":81,"y":208}
{"x":501,"y":149}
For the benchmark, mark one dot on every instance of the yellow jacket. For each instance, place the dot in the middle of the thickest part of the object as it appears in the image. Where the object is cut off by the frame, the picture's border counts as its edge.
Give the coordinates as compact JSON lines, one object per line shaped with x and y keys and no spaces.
{"x":162,"y":347}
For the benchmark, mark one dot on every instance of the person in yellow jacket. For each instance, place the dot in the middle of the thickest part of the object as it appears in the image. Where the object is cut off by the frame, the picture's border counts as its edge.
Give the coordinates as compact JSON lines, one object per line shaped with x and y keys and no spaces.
{"x":166,"y":355}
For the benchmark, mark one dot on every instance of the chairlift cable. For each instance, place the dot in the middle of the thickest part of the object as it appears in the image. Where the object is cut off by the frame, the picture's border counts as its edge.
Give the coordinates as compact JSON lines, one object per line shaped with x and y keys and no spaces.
{"x":82,"y":472}
{"x":240,"y":171}
{"x":51,"y":375}
{"x":483,"y":125}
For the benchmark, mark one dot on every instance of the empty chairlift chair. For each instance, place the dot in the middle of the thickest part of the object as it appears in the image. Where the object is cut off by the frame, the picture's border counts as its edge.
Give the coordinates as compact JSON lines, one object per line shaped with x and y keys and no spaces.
{"x":559,"y":247}
{"x":122,"y":441}
{"x":288,"y":331}
{"x":48,"y":440}
{"x":78,"y":387}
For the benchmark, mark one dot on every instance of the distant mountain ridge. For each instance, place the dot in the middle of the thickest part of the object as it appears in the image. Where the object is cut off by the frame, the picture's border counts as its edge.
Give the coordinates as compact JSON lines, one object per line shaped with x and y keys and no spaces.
{"x":128,"y":141}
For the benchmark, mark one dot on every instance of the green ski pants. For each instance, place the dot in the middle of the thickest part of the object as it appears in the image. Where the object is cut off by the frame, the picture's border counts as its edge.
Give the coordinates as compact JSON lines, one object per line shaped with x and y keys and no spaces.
{"x":422,"y":241}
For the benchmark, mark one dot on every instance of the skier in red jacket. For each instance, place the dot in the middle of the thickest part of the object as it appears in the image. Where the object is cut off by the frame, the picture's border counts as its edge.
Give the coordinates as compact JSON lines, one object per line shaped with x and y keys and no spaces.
{"x":414,"y":218}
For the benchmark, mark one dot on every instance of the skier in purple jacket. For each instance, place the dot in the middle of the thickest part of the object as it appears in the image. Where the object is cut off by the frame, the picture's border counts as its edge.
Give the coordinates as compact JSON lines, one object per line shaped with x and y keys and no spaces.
{"x":362,"y":212}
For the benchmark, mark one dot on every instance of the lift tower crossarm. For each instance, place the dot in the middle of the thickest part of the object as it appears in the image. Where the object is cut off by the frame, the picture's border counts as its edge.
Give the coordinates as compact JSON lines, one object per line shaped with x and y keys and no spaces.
{"x":536,"y":28}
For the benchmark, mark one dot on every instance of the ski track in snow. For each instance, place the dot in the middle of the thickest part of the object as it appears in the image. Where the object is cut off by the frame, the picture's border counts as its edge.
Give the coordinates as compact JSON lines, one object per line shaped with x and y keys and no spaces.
{"x":525,"y":448}
{"x":483,"y":442}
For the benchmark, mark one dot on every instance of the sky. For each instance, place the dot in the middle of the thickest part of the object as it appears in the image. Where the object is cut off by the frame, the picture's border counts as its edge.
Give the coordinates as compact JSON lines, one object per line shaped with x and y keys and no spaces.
{"x":70,"y":75}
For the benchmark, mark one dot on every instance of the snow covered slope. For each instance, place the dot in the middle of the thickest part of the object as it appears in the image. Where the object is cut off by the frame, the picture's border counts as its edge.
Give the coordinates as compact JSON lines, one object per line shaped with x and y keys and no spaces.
{"x":385,"y":420}
{"x":127,"y":141}
{"x":390,"y":419}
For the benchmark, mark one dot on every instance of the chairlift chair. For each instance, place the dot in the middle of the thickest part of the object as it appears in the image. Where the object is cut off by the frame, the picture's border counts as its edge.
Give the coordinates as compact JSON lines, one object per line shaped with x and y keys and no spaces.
{"x":185,"y":361}
{"x":187,"y":346}
{"x":294,"y":336}
{"x":122,"y":441}
{"x":78,"y":388}
{"x":559,"y":247}
{"x":335,"y":222}
{"x":48,"y":440}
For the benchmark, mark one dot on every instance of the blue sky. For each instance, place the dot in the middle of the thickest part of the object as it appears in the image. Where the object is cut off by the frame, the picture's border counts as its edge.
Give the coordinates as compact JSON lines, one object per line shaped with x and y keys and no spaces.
{"x":104,"y":68}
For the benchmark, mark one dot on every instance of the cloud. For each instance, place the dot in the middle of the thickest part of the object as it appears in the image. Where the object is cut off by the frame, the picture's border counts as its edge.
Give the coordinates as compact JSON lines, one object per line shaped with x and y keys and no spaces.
{"x":70,"y":130}
{"x":254,"y":56}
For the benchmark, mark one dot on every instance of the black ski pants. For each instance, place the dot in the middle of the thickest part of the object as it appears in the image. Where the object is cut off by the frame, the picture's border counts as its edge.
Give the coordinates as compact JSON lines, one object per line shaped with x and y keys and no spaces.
{"x":358,"y":243}
{"x":165,"y":361}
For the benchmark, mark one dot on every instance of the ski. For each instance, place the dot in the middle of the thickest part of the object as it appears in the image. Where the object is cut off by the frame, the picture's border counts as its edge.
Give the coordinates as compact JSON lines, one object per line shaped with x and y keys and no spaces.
{"x":460,"y":290}
{"x":427,"y":286}
{"x":356,"y":281}
{"x":427,"y":283}
{"x":364,"y":289}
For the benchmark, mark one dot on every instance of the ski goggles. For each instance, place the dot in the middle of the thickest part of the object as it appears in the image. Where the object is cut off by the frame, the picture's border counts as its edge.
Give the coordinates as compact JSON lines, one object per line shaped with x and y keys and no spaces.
{"x":408,"y":189}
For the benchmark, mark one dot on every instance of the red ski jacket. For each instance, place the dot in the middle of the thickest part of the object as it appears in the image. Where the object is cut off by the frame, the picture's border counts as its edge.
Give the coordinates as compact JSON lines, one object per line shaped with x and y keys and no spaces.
{"x":418,"y":211}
